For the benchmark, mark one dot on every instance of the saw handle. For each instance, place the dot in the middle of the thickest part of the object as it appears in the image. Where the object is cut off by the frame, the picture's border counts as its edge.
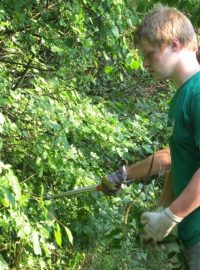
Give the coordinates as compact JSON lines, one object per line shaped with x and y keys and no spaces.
{"x":106,"y":189}
{"x":99,"y":187}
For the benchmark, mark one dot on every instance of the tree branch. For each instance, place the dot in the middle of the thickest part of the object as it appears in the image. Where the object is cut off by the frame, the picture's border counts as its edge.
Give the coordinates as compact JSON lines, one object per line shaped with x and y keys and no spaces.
{"x":22,"y":76}
{"x":24,"y":65}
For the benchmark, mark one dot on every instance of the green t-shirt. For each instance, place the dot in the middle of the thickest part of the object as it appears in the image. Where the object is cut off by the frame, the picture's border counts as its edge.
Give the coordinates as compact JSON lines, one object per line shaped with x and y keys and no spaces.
{"x":184,"y":119}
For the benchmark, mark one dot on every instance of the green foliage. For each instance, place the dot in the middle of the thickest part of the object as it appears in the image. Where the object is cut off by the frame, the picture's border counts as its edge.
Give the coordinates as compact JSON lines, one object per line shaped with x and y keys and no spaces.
{"x":74,"y":105}
{"x":56,"y":145}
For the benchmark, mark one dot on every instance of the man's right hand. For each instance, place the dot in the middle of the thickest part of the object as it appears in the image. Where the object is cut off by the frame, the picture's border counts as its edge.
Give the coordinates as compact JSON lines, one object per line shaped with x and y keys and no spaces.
{"x":111,"y":183}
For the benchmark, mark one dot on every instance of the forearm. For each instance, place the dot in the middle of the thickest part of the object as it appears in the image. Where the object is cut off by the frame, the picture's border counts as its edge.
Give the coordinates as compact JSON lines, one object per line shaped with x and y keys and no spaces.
{"x":189,"y":199}
{"x":167,"y":194}
{"x":161,"y":162}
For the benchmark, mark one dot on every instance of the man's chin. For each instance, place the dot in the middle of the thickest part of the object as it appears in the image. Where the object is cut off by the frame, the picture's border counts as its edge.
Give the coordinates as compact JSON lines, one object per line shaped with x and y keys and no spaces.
{"x":157,"y":77}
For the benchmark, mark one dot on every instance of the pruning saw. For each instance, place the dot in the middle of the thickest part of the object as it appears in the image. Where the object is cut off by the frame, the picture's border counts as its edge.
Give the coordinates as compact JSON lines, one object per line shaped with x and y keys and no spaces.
{"x":99,"y":187}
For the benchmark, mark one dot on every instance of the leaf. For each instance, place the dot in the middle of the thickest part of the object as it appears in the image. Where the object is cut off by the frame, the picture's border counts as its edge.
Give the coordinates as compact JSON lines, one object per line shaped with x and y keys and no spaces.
{"x":121,"y":77}
{"x":2,"y":119}
{"x":132,"y":61}
{"x":44,"y":233}
{"x":57,"y":234}
{"x":36,"y":244}
{"x":148,"y":148}
{"x":115,"y":31}
{"x":88,"y":43}
{"x":3,"y":263}
{"x":10,"y":196}
{"x":134,"y":64}
{"x":106,"y":56}
{"x":14,"y":183}
{"x":1,"y":141}
{"x":173,"y":247}
{"x":108,"y":69}
{"x":69,"y":235}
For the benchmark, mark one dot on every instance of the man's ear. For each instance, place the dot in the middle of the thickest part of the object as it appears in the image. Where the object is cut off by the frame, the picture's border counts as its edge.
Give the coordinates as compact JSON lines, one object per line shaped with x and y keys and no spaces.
{"x":198,"y":54}
{"x":176,"y":46}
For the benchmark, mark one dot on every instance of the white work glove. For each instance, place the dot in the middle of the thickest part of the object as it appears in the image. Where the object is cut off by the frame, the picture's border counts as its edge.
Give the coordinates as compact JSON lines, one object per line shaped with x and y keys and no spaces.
{"x":158,"y":225}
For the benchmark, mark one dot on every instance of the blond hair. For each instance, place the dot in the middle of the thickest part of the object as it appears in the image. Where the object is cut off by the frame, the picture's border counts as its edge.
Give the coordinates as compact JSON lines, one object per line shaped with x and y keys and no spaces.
{"x":163,"y":25}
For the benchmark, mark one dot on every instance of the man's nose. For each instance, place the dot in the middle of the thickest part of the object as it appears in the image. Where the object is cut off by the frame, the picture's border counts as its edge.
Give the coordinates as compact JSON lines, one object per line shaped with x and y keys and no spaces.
{"x":146,"y":63}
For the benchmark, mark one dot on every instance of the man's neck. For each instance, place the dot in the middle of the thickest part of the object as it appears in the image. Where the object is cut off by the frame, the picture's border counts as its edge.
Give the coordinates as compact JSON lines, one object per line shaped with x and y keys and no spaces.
{"x":186,"y":67}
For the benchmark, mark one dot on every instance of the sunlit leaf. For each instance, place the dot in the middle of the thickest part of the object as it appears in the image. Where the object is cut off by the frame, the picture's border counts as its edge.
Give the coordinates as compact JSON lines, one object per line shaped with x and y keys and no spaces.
{"x":115,"y":31}
{"x":69,"y":235}
{"x":36,"y":244}
{"x":57,"y":234}
{"x":3,"y":263}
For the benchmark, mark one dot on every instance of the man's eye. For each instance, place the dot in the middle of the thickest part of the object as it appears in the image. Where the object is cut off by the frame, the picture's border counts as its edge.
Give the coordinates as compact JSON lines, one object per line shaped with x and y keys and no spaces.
{"x":149,"y":54}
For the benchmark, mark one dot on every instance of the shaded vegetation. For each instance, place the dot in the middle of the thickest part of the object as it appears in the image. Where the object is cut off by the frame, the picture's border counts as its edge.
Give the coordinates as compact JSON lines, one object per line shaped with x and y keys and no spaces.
{"x":75,"y":103}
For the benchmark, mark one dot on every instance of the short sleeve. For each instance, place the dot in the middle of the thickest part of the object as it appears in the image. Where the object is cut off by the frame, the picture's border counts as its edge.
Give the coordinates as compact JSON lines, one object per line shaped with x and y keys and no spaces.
{"x":195,"y":116}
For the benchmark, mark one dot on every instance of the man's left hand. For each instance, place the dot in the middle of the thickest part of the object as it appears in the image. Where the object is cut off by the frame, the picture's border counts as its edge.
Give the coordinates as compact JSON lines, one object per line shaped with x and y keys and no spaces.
{"x":111,"y":183}
{"x":158,"y":225}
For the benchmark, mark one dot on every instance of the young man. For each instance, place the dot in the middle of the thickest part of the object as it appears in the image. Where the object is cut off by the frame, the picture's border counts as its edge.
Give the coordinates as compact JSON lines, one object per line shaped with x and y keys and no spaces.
{"x":168,"y":43}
